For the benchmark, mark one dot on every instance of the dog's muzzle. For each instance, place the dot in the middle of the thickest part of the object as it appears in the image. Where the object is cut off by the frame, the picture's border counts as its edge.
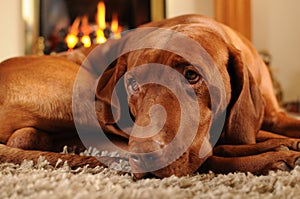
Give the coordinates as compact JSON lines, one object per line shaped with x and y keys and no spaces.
{"x":145,"y":157}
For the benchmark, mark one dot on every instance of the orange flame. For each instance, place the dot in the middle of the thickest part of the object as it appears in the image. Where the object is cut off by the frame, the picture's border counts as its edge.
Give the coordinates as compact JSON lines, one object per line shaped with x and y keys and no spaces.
{"x":75,"y":26}
{"x":86,"y":29}
{"x":114,"y":24}
{"x":115,"y":28}
{"x":86,"y":40}
{"x":101,"y":15}
{"x":100,"y":39}
{"x":71,"y":38}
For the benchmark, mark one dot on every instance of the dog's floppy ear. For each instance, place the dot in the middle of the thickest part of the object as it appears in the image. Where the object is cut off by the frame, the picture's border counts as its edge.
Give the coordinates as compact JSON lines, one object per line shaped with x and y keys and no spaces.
{"x":246,"y":108}
{"x":110,"y":94}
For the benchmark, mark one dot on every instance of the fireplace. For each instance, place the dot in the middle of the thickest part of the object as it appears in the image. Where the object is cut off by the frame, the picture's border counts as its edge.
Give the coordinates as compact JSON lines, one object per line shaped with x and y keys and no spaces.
{"x":61,"y":25}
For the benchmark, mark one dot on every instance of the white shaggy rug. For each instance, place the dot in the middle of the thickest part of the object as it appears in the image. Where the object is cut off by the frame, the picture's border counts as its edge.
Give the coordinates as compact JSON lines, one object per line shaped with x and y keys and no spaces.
{"x":44,"y":181}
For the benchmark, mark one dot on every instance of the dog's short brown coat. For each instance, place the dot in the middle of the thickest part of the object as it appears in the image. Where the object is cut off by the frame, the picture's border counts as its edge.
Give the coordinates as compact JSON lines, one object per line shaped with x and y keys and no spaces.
{"x":36,"y":105}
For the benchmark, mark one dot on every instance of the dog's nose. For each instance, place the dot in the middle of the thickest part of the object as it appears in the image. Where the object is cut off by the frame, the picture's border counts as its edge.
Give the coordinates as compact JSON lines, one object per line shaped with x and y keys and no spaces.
{"x":145,"y":156}
{"x":142,"y":165}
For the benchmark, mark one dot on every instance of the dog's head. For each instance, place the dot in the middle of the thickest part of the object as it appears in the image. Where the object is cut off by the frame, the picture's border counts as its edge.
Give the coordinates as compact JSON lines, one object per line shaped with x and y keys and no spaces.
{"x":185,"y":85}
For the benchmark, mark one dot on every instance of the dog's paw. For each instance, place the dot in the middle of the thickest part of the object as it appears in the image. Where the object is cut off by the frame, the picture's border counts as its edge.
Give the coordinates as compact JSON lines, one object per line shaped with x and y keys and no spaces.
{"x":284,"y":144}
{"x":282,"y":166}
{"x":297,"y":162}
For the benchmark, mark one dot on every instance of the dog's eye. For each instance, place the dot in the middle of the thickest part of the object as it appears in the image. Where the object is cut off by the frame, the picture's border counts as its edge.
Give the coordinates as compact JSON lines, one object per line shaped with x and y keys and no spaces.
{"x":192,"y":76}
{"x":133,"y":85}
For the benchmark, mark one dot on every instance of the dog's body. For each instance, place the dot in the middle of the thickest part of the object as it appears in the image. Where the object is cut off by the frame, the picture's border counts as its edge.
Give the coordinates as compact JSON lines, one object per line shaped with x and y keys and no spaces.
{"x":36,"y":104}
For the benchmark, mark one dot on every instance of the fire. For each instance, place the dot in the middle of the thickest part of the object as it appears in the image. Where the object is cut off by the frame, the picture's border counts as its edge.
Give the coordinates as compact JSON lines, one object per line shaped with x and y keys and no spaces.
{"x":100,"y":37}
{"x":115,"y":28}
{"x":101,"y":15}
{"x":81,"y":30}
{"x":86,"y":29}
{"x":86,"y":41}
{"x":75,"y":26}
{"x":72,"y":38}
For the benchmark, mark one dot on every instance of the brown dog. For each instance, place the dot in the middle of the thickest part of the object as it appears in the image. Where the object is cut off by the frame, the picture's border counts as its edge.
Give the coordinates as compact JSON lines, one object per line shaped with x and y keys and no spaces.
{"x":222,"y":116}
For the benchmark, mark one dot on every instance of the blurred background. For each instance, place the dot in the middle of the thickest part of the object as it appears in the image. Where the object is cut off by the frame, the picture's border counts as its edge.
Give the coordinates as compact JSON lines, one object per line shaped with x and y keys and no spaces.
{"x":51,"y":26}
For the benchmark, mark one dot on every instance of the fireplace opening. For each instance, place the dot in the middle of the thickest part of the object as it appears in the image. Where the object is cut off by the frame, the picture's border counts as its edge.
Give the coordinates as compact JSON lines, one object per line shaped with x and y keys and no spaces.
{"x":69,"y":24}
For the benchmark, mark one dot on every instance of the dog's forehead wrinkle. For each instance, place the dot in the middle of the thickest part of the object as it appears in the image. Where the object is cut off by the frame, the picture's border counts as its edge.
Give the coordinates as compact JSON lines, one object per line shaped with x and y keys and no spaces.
{"x":145,"y":38}
{"x":175,"y":40}
{"x":158,"y":65}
